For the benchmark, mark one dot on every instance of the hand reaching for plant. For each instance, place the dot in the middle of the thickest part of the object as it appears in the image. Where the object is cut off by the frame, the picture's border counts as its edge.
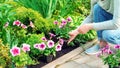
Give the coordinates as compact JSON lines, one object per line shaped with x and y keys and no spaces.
{"x":83,"y":29}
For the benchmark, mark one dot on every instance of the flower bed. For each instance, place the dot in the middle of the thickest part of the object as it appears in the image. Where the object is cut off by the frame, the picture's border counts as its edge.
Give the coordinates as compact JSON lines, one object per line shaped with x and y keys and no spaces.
{"x":58,"y":54}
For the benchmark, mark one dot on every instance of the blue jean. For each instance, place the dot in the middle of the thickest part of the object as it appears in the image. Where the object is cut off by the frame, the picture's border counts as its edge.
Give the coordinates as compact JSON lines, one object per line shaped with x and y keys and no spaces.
{"x":100,"y":15}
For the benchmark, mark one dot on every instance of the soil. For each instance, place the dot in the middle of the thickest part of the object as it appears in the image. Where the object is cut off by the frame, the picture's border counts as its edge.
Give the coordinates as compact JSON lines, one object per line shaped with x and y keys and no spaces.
{"x":59,"y":54}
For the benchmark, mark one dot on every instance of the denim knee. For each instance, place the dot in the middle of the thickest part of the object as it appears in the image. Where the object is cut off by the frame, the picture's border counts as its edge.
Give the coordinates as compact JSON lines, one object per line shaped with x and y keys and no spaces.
{"x":111,"y":36}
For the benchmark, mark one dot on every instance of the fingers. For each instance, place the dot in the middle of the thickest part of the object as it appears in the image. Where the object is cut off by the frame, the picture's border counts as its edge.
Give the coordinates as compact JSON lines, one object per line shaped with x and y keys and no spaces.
{"x":72,"y":37}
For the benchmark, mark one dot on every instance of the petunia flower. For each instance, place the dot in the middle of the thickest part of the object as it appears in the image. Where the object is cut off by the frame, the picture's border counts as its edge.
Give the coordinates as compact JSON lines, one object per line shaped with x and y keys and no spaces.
{"x":17,"y":22}
{"x":58,"y":47}
{"x":31,"y":24}
{"x":55,"y":22}
{"x":110,"y":51}
{"x":44,"y":39}
{"x":64,"y":22}
{"x":69,"y":19}
{"x":15,"y":51}
{"x":52,"y":35}
{"x":26,"y":47}
{"x":61,"y":41}
{"x":117,"y":46}
{"x":50,"y":43}
{"x":42,"y":46}
{"x":6,"y":24}
{"x":23,"y":26}
{"x":36,"y":46}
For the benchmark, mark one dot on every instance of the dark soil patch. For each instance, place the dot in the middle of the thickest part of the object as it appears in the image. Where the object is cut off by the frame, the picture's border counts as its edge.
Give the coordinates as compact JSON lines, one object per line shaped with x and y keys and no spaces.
{"x":59,"y":54}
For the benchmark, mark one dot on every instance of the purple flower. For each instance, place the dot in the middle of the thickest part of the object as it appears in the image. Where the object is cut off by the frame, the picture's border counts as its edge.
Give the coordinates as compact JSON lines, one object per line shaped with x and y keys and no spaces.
{"x":58,"y":47}
{"x":64,"y":22}
{"x":55,"y":22}
{"x":52,"y":35}
{"x":107,"y":46}
{"x":36,"y":46}
{"x":23,"y":26}
{"x":42,"y":46}
{"x":61,"y":41}
{"x":69,"y":19}
{"x":117,"y":46}
{"x":6,"y":24}
{"x":110,"y":51}
{"x":44,"y":39}
{"x":15,"y":51}
{"x":17,"y":22}
{"x":26,"y":47}
{"x":104,"y":50}
{"x":50,"y":43}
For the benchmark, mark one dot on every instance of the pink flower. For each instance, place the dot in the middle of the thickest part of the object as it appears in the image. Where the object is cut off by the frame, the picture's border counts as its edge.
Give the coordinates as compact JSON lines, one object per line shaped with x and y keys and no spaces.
{"x":15,"y":51}
{"x":6,"y":24}
{"x":50,"y":43}
{"x":104,"y":50}
{"x":61,"y":26}
{"x":36,"y":46}
{"x":61,"y":41}
{"x":117,"y":46}
{"x":26,"y":47}
{"x":69,"y":19}
{"x":42,"y":46}
{"x":64,"y":22}
{"x":31,"y":24}
{"x":58,"y":47}
{"x":55,"y":22}
{"x":44,"y":39}
{"x":110,"y":51}
{"x":17,"y":23}
{"x":52,"y":35}
{"x":23,"y":26}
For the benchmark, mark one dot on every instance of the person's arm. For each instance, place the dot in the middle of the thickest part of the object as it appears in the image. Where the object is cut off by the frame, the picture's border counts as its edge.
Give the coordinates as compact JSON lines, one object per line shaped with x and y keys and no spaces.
{"x":89,"y":18}
{"x":111,"y":24}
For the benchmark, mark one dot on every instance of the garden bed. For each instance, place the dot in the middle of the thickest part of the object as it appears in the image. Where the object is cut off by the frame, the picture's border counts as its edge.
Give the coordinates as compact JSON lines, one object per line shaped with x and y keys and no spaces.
{"x":64,"y":55}
{"x":59,"y":54}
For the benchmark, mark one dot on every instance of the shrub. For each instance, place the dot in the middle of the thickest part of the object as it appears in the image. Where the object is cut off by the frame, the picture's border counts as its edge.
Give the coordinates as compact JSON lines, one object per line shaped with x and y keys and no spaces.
{"x":31,"y":40}
{"x":26,"y":15}
{"x":5,"y":59}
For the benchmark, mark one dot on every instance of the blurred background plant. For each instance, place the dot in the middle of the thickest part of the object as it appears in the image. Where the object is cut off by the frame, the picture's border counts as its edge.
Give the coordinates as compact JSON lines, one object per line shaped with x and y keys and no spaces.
{"x":5,"y":59}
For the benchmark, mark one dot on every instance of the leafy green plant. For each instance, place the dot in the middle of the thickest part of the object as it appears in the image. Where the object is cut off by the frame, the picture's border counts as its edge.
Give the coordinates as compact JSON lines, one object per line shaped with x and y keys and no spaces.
{"x":49,"y":46}
{"x":32,"y":40}
{"x":112,"y":58}
{"x":20,"y":57}
{"x":6,"y":15}
{"x":44,"y":7}
{"x":5,"y":59}
{"x":26,"y":15}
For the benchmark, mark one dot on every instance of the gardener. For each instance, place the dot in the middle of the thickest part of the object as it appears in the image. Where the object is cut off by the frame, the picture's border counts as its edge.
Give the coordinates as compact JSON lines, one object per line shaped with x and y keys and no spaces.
{"x":105,"y":19}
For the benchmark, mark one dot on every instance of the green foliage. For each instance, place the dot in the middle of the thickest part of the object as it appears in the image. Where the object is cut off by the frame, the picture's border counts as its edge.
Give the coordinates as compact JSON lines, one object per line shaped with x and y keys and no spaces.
{"x":6,"y":15}
{"x":26,"y":15}
{"x":5,"y":59}
{"x":45,"y":7}
{"x":34,"y":39}
{"x":72,"y":7}
{"x":109,"y":57}
{"x":22,"y":60}
{"x":2,"y":1}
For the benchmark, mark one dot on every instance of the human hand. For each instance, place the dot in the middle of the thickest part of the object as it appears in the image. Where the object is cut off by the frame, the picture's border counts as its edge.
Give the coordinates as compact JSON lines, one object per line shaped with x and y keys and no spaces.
{"x":83,"y":29}
{"x":73,"y":34}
